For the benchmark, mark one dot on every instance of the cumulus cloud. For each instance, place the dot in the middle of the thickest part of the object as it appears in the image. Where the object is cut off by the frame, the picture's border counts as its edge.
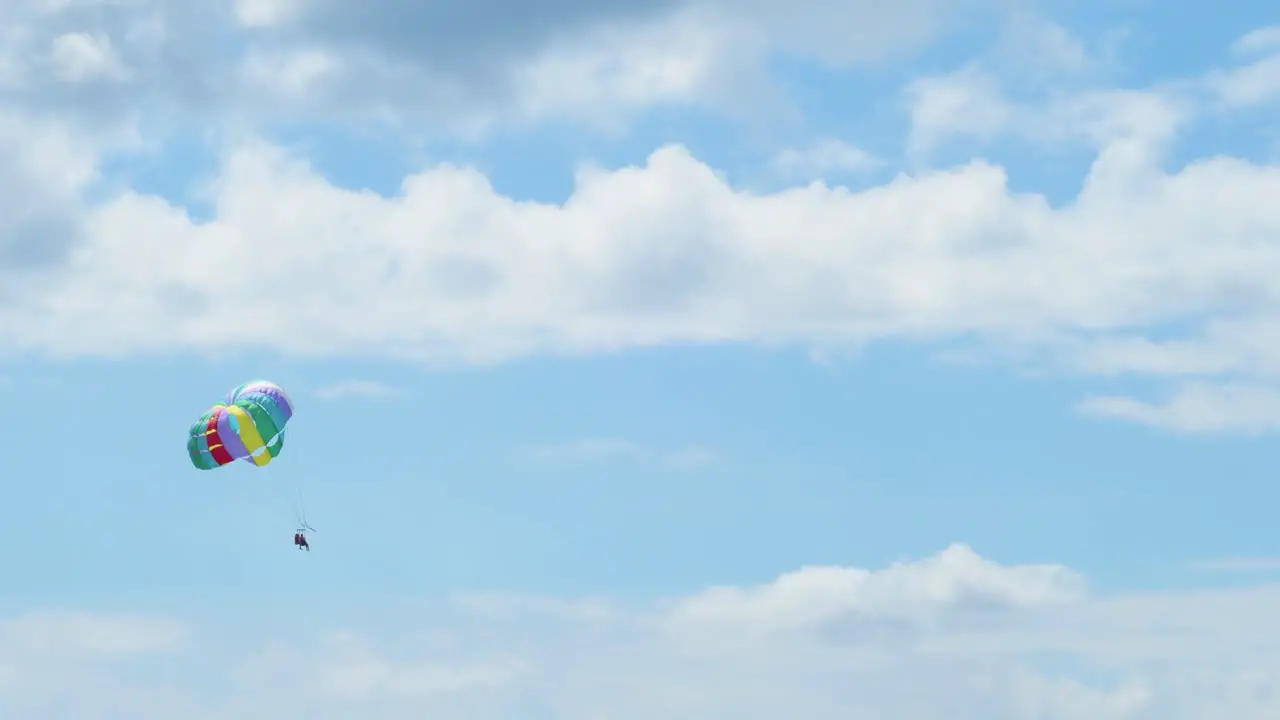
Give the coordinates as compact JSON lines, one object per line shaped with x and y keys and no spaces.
{"x":916,"y":639}
{"x":664,"y":253}
{"x":953,"y":580}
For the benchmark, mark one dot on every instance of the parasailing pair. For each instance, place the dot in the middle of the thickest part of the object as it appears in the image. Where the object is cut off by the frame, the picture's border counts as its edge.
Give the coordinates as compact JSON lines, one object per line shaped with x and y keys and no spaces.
{"x":248,"y":426}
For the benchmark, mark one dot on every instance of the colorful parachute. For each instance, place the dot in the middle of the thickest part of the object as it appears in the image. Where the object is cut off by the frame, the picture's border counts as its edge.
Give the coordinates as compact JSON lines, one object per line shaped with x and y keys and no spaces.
{"x":249,"y":427}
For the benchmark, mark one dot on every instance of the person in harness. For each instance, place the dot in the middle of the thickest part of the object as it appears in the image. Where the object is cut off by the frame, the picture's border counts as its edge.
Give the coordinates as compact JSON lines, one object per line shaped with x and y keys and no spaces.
{"x":301,"y":541}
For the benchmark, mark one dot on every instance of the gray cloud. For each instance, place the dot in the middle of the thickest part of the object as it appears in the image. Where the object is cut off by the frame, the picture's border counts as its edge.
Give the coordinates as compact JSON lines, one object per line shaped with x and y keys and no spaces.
{"x":38,"y":238}
{"x":465,"y":38}
{"x":471,"y":62}
{"x":164,"y":56}
{"x":117,"y":76}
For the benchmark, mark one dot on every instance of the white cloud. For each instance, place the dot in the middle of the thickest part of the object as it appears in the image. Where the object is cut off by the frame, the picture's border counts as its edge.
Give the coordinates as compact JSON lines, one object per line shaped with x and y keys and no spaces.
{"x":607,"y":75}
{"x":79,"y":57}
{"x":955,"y":634}
{"x":1134,"y":127}
{"x":79,"y":634}
{"x":817,"y":596}
{"x":1036,"y":46}
{"x":964,"y":103}
{"x":1042,"y":83}
{"x":289,"y":77}
{"x":1262,"y":40}
{"x":1243,"y":344}
{"x":353,"y":670}
{"x":1252,"y":84}
{"x":356,"y":388}
{"x":76,"y":664}
{"x":267,"y":13}
{"x":824,"y":156}
{"x":1036,"y":696}
{"x":1199,"y":408}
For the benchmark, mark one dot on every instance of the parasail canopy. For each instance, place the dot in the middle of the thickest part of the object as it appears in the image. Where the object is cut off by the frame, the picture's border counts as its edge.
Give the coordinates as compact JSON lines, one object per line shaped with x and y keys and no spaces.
{"x":249,"y":426}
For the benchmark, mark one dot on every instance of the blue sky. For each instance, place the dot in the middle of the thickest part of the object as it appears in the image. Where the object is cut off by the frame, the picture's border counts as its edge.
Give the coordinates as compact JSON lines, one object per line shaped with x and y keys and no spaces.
{"x":651,"y":359}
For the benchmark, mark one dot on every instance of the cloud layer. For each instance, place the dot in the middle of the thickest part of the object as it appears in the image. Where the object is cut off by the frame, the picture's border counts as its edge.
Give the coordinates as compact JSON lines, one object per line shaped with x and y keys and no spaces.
{"x":663,"y":253}
{"x":917,"y":639}
{"x":669,"y":252}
